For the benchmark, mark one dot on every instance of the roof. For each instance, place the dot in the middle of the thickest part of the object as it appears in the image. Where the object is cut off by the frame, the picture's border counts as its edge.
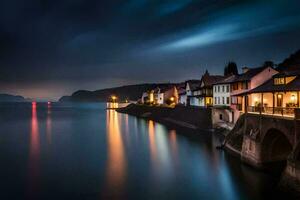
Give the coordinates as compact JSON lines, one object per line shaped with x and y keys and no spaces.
{"x":291,"y":72}
{"x":270,"y":87}
{"x":208,"y":80}
{"x":227,"y":79}
{"x":193,"y":84}
{"x":247,"y":76}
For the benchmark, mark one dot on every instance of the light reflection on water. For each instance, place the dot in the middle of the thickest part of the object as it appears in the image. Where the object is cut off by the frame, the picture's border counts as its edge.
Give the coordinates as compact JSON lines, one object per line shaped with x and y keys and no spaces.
{"x":116,"y":163}
{"x":34,"y":154}
{"x":49,"y":125}
{"x":85,"y":151}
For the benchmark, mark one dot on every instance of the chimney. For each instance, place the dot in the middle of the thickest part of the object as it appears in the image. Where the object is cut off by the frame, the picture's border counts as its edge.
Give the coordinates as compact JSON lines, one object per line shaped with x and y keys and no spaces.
{"x":245,"y":69}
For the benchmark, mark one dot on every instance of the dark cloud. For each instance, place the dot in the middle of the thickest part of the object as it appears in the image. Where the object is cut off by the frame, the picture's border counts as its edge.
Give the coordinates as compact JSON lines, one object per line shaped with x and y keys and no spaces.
{"x":90,"y":44}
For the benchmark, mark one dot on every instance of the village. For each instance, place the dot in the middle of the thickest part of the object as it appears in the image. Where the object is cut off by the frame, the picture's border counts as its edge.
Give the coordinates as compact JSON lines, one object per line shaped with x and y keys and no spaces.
{"x":263,"y":90}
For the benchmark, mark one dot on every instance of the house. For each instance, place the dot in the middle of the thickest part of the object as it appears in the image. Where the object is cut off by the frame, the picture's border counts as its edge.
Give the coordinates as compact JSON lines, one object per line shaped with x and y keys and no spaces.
{"x":203,"y":94}
{"x":191,"y":86}
{"x":182,"y":97}
{"x":149,"y":97}
{"x":167,"y":95}
{"x":221,"y":92}
{"x":241,"y":84}
{"x":222,"y":111}
{"x":278,"y":96}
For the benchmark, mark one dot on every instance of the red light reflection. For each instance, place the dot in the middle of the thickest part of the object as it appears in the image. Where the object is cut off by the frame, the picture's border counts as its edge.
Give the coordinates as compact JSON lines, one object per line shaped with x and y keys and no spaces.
{"x":34,"y":153}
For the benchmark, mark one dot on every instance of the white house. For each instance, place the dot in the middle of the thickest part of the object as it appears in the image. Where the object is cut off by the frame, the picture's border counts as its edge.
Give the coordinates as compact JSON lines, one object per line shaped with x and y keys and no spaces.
{"x":144,"y":97}
{"x":182,"y":97}
{"x":221,"y":111}
{"x":191,"y":86}
{"x":221,"y":92}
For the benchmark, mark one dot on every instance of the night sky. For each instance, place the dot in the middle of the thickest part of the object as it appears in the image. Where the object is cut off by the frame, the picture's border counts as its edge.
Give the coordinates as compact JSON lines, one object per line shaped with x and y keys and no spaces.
{"x":50,"y":48}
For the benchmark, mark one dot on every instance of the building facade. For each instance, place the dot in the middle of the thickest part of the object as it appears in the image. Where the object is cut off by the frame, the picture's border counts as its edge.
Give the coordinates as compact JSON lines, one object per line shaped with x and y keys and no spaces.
{"x":248,"y":80}
{"x":278,"y":96}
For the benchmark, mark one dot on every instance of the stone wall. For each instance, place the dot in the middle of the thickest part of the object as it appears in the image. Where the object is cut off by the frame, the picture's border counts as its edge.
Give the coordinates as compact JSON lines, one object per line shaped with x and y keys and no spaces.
{"x":188,"y":116}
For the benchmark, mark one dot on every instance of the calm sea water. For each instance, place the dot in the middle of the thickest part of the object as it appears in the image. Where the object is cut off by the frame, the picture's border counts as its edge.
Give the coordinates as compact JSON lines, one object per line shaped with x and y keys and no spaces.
{"x":87,"y":152}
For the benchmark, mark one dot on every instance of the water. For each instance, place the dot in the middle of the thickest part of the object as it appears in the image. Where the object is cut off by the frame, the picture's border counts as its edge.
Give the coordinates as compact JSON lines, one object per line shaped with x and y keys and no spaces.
{"x":87,"y":152}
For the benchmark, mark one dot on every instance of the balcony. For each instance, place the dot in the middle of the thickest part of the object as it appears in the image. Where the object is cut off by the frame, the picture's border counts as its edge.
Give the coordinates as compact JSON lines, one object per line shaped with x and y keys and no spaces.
{"x":275,"y":111}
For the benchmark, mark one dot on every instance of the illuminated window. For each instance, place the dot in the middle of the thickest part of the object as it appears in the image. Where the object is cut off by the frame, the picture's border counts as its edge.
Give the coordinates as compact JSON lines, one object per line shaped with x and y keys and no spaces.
{"x":279,"y":81}
{"x":289,"y":79}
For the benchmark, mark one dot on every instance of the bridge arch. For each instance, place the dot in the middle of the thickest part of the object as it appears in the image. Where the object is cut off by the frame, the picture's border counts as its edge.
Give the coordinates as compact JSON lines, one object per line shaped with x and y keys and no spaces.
{"x":275,"y":146}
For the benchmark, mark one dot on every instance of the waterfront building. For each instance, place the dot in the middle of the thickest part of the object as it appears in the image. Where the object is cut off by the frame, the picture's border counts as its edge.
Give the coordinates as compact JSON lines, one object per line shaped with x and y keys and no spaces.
{"x":191,"y":86}
{"x":167,"y":95}
{"x":221,"y":111}
{"x":182,"y":98}
{"x":221,"y":92}
{"x":279,"y":96}
{"x":203,"y":94}
{"x":145,"y":97}
{"x":243,"y":83}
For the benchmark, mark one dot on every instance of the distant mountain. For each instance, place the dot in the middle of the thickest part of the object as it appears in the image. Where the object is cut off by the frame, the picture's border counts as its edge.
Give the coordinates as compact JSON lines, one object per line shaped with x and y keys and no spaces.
{"x":129,"y":92}
{"x":291,"y":63}
{"x":11,"y":98}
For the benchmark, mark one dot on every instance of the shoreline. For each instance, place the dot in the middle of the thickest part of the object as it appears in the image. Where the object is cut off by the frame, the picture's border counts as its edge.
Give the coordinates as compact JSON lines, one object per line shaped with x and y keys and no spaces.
{"x":192,"y":118}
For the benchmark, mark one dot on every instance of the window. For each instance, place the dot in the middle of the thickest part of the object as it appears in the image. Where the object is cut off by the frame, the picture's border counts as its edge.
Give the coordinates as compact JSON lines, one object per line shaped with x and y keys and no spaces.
{"x":223,"y":90}
{"x":215,"y":87}
{"x":223,"y":100}
{"x":279,"y":81}
{"x":218,"y":100}
{"x":215,"y":100}
{"x":289,"y":79}
{"x":227,"y":100}
{"x":218,"y":88}
{"x":227,"y":88}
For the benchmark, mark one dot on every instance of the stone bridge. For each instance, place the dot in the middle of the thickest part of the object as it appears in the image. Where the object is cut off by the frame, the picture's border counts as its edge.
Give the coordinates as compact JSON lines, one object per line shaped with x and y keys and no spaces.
{"x":270,"y":139}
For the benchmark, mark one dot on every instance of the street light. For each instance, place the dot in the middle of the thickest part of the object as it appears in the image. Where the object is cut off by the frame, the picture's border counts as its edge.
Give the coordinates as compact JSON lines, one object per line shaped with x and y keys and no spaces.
{"x":113,"y":98}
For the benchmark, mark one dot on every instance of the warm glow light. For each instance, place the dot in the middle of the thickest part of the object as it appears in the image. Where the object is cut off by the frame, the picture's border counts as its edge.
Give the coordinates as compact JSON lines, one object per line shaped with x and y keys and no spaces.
{"x":172,"y":98}
{"x":33,"y":103}
{"x":151,"y":97}
{"x":293,"y":98}
{"x":113,"y":97}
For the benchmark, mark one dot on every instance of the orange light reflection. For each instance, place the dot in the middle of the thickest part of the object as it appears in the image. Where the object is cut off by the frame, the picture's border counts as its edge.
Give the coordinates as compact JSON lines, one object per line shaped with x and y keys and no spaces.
{"x":116,"y":164}
{"x":152,"y":143}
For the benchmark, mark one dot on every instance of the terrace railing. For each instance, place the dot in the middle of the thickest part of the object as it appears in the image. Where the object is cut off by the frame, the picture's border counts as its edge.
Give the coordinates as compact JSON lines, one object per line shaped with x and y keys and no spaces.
{"x":278,"y":111}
